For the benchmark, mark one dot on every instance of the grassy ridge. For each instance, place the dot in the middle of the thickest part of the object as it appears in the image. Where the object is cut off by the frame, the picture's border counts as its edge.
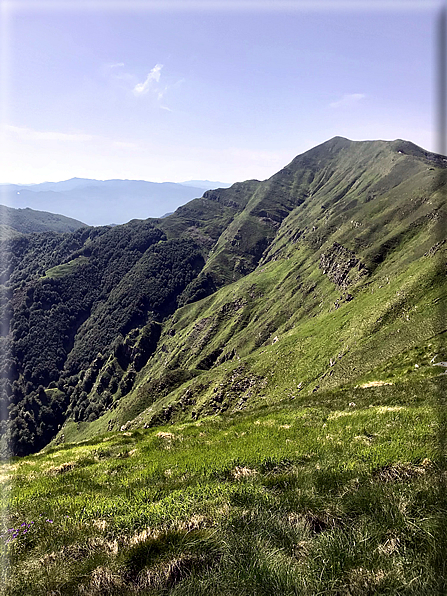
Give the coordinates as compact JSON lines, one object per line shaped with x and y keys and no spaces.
{"x":330,"y":258}
{"x":28,"y":221}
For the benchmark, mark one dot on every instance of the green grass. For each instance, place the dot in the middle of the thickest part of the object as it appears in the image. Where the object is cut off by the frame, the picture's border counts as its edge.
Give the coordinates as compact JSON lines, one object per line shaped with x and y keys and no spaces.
{"x":66,"y":268}
{"x":317,"y":497}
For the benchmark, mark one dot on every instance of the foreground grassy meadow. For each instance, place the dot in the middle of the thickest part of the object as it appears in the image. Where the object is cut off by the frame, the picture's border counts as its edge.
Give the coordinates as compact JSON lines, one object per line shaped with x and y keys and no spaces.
{"x":336,"y":493}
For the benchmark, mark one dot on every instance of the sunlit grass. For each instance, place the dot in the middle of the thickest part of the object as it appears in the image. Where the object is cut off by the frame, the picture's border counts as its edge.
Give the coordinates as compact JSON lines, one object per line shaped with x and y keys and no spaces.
{"x":330,"y":497}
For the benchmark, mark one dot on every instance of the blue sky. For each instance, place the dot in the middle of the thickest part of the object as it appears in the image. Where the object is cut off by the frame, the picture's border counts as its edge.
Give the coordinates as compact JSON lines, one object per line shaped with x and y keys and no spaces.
{"x":171,"y":94}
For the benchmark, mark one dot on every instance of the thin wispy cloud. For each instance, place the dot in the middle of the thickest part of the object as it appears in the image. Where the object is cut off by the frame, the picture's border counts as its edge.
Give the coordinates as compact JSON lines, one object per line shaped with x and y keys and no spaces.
{"x":45,"y":135}
{"x":153,"y":76}
{"x":349,"y":99}
{"x":116,"y":65}
{"x":20,"y":134}
{"x":125,"y":145}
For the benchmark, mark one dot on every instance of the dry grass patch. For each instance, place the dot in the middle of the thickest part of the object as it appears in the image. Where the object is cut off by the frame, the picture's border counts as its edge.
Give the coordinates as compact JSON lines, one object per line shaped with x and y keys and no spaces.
{"x":100,"y":524}
{"x":168,"y":438}
{"x":164,"y":435}
{"x":390,"y":546}
{"x":79,"y":551}
{"x":167,"y":574}
{"x":65,"y":467}
{"x":144,"y":535}
{"x":103,"y":581}
{"x":374,"y":384}
{"x":240,"y":472}
{"x":196,"y":522}
{"x":401,"y":471}
{"x":363,"y":581}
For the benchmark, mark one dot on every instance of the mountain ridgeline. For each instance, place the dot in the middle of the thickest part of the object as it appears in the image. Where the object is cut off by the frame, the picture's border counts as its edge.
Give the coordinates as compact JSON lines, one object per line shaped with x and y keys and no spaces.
{"x":29,"y":221}
{"x":324,"y":276}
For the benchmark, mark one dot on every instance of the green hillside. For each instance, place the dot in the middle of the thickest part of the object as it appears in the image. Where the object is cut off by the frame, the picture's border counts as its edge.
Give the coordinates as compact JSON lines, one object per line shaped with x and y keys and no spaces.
{"x":348,"y":280}
{"x":29,"y":221}
{"x":244,"y":397}
{"x":335,"y":260}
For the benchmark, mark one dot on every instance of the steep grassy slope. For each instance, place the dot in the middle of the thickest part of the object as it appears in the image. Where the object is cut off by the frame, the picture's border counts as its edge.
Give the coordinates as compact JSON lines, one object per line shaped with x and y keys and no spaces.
{"x":305,"y":281}
{"x":243,"y":347}
{"x":324,"y":189}
{"x":330,"y":304}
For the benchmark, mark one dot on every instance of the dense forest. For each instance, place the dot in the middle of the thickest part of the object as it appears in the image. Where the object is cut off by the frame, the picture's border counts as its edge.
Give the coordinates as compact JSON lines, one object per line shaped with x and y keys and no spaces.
{"x":68,"y":301}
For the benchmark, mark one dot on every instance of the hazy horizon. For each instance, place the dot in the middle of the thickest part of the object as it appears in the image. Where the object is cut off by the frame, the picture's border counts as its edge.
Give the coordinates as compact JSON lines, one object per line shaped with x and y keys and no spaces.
{"x":184,"y":182}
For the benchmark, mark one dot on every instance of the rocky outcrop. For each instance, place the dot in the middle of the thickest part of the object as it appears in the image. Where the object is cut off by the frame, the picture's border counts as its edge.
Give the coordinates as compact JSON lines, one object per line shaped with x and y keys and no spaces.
{"x":342,"y":266}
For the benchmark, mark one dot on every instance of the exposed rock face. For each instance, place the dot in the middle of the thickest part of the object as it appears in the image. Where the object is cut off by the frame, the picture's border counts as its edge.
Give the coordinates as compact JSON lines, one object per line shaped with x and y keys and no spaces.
{"x":342,"y":266}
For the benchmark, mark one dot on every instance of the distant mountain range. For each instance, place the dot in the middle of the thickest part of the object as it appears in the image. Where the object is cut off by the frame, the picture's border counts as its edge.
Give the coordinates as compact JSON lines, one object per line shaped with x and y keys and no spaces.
{"x":206,"y":184}
{"x":103,"y":202}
